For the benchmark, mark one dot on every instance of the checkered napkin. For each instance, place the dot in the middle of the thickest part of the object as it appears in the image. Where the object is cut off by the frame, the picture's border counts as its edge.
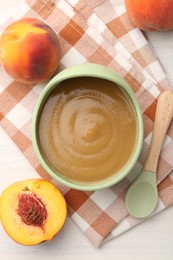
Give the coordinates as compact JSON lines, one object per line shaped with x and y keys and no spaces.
{"x":95,"y":31}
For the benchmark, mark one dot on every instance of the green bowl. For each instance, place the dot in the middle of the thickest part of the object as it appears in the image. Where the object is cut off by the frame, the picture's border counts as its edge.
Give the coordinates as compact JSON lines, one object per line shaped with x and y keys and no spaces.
{"x":97,"y":71}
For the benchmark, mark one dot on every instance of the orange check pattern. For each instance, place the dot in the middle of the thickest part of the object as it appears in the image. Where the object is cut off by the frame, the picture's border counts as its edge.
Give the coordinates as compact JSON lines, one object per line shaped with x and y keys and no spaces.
{"x":96,"y":31}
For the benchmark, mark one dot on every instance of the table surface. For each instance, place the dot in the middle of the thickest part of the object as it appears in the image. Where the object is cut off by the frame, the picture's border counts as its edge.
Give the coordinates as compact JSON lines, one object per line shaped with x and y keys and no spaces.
{"x":151,"y":239}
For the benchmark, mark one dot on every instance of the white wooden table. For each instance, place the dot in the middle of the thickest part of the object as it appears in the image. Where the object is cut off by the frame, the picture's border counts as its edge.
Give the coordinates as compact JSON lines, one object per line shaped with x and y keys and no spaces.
{"x":152,"y":239}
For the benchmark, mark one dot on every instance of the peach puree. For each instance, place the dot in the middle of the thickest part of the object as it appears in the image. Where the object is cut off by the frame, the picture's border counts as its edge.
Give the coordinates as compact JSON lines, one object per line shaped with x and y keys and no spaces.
{"x":87,"y":129}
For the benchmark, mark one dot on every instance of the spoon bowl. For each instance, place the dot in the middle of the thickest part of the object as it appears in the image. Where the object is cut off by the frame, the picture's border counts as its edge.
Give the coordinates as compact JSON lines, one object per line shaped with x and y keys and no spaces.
{"x":142,"y":196}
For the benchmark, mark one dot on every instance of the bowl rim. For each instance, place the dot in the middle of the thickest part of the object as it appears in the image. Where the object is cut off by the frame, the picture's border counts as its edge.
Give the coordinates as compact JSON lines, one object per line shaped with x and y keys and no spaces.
{"x":97,"y":71}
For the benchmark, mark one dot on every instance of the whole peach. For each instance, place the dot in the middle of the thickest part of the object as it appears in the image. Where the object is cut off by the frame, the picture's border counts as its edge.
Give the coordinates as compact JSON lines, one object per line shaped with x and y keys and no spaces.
{"x":29,"y":50}
{"x":150,"y":15}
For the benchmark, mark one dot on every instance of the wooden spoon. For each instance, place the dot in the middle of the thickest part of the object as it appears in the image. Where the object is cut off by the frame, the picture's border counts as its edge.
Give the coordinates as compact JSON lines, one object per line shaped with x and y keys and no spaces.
{"x":142,"y":196}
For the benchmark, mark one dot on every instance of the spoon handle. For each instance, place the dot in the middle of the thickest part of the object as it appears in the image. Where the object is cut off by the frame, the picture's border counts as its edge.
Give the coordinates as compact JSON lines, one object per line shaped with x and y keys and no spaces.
{"x":163,"y":116}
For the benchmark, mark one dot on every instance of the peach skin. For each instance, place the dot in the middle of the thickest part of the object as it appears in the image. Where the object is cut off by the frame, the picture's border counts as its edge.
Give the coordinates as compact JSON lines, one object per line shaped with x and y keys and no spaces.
{"x":151,"y":15}
{"x":29,"y":50}
{"x":32,"y":211}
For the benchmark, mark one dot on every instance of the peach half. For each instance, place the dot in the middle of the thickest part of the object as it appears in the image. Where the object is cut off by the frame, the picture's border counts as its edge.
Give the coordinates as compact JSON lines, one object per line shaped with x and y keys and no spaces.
{"x":29,"y":50}
{"x":32,"y":211}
